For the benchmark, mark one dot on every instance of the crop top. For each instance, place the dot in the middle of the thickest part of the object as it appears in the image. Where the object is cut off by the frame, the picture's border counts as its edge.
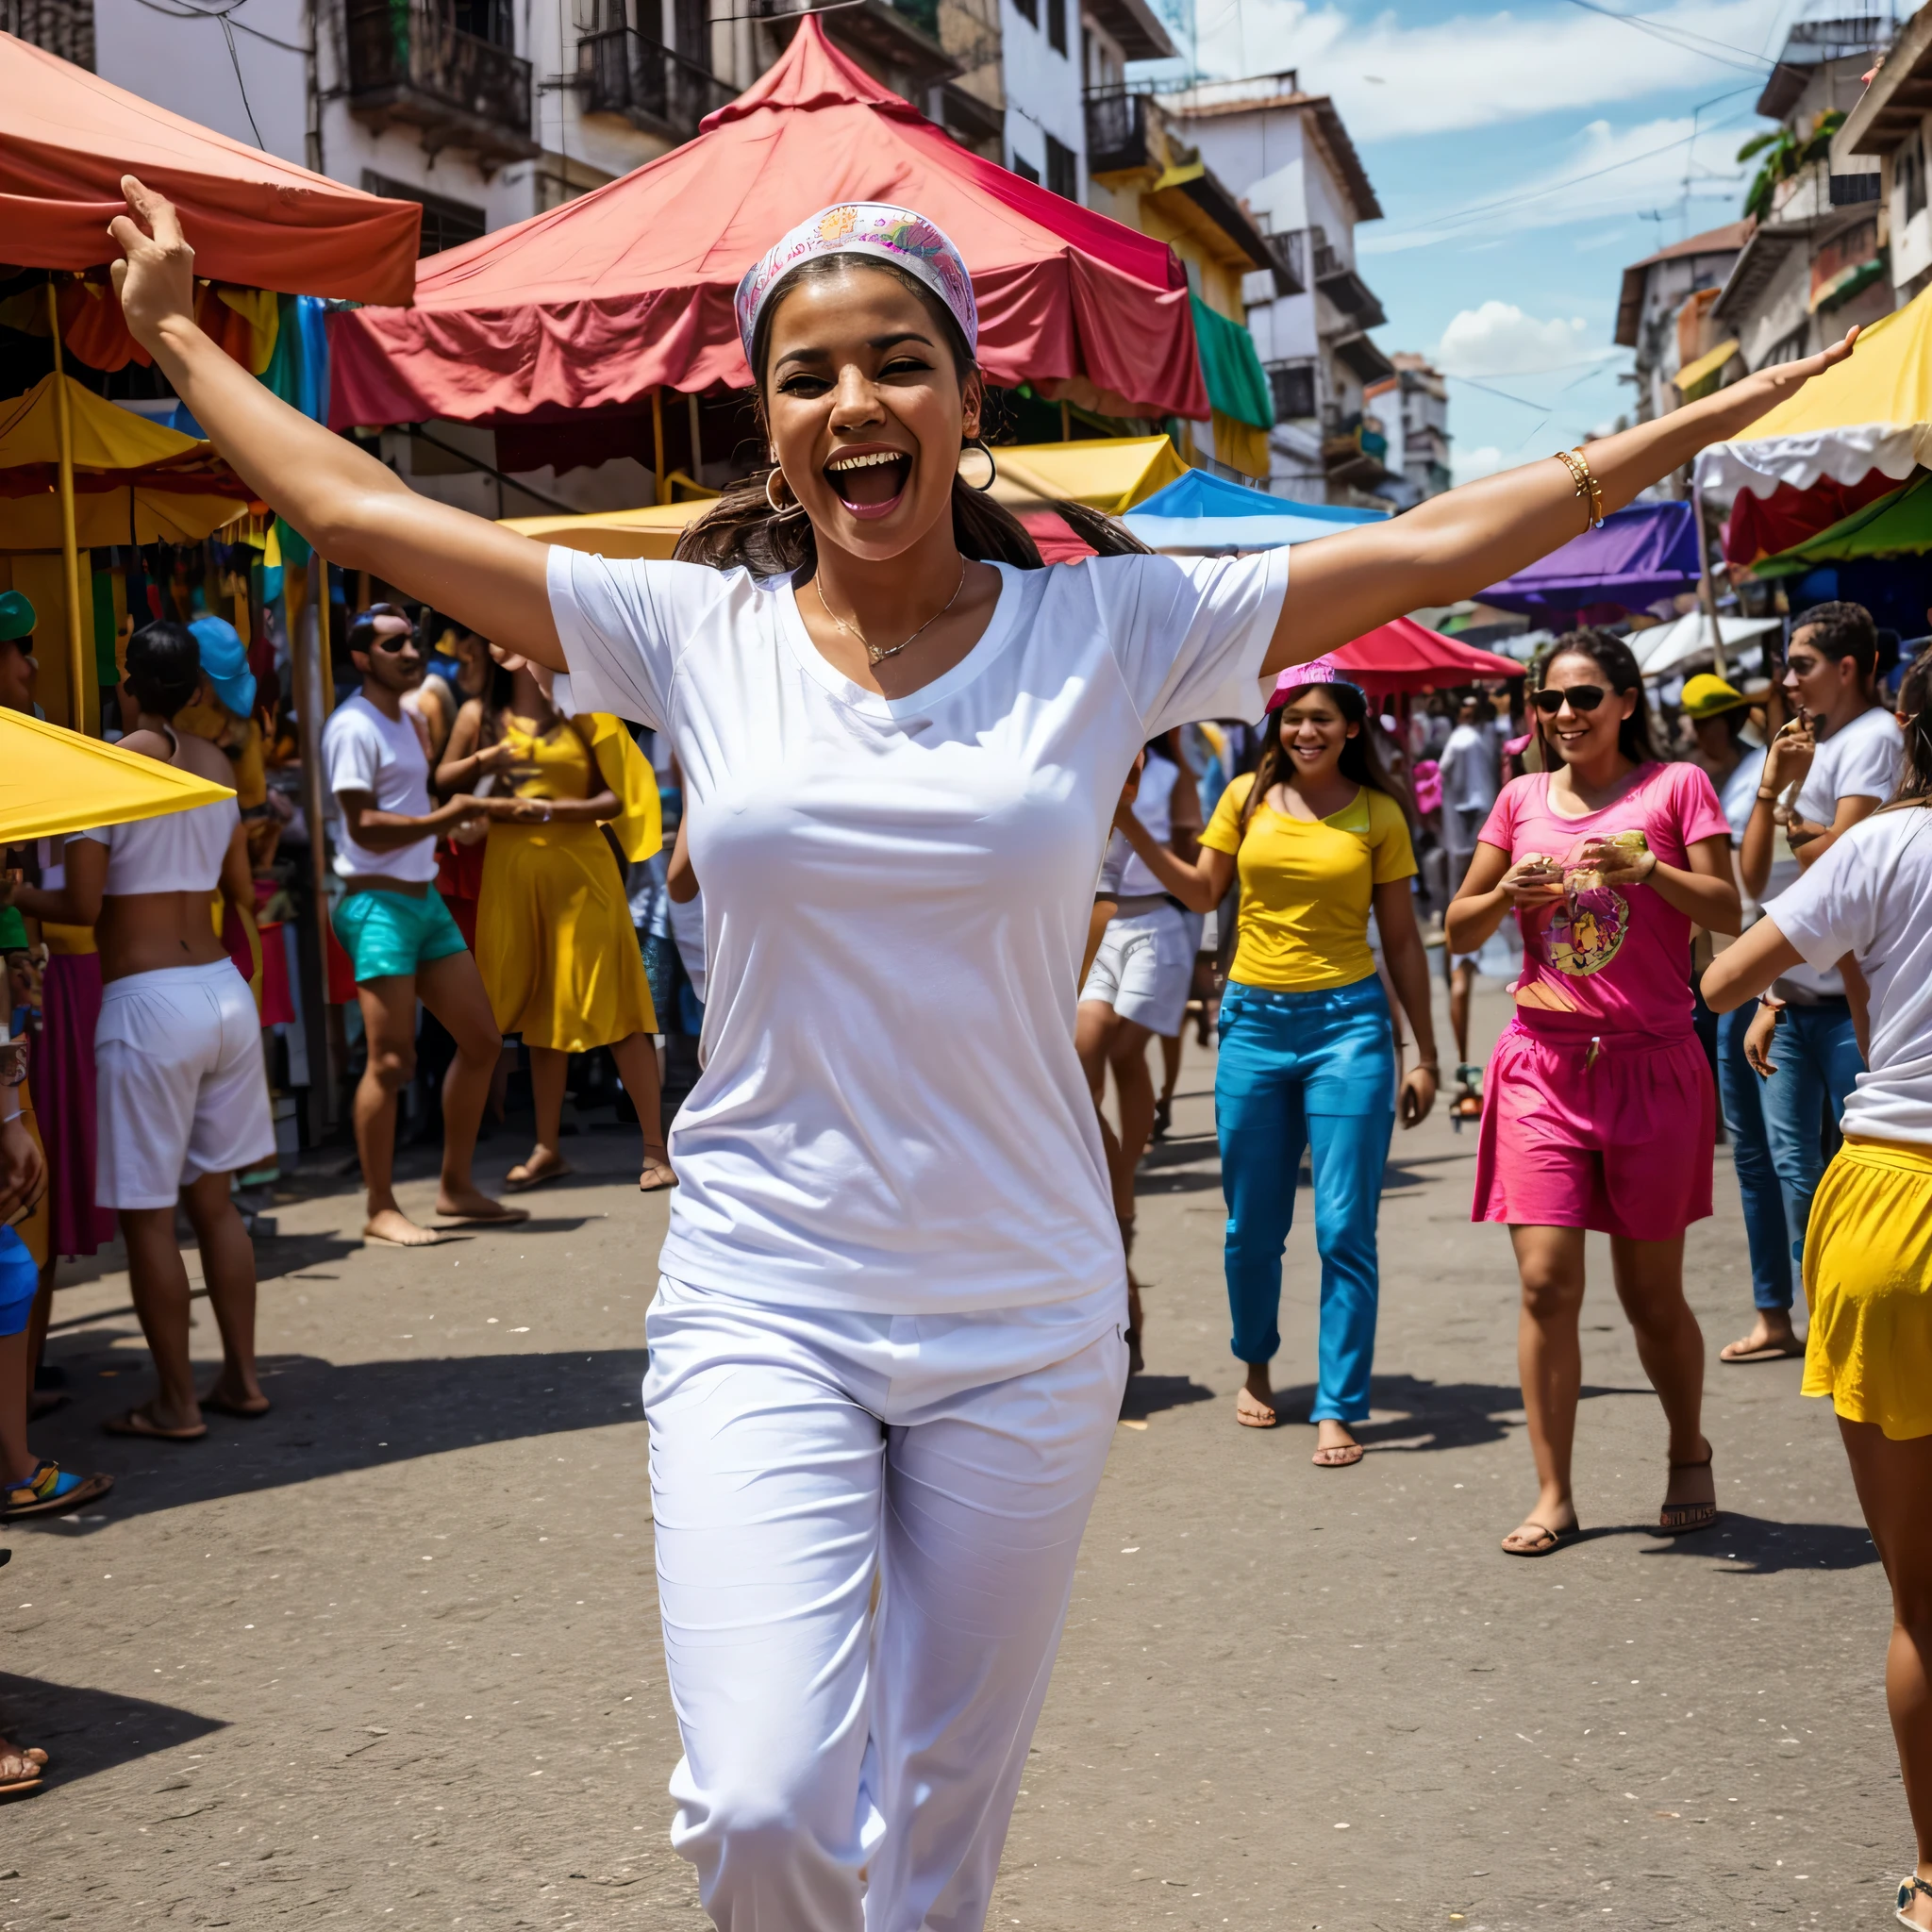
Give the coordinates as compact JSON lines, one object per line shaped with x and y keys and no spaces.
{"x":179,"y":852}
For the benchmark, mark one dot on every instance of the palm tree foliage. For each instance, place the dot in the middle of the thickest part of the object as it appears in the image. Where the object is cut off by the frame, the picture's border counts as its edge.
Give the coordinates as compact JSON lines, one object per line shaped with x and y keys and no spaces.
{"x":1786,"y":154}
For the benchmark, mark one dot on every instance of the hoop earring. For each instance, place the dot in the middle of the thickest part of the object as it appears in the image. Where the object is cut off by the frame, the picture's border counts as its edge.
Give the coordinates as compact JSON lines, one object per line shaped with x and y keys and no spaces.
{"x":777,"y":509}
{"x":993,"y":468}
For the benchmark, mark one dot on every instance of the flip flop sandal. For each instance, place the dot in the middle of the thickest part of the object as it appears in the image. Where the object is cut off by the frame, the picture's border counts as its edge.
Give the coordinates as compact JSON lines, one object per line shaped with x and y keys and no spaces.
{"x":25,"y":1787}
{"x":51,"y":1490}
{"x":239,"y":1410}
{"x":511,"y":1185}
{"x":649,"y":1183}
{"x":134,"y":1422}
{"x":1908,"y":1889}
{"x":1558,"y":1538}
{"x":1681,"y":1519}
{"x":1252,"y":1422}
{"x":1772,"y":1352}
{"x":1337,"y":1456}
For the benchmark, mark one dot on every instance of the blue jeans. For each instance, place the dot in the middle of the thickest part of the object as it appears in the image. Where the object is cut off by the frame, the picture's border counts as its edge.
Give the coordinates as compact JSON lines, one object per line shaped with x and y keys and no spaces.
{"x":1314,"y":1069}
{"x":1816,"y":1054}
{"x":1767,"y":1226}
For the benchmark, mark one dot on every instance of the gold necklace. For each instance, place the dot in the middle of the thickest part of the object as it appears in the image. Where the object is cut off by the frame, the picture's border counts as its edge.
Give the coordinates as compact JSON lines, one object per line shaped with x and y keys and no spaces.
{"x":873,"y":653}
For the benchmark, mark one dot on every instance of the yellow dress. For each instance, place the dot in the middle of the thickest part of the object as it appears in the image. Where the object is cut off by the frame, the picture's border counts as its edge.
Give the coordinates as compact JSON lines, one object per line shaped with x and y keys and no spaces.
{"x":554,"y":939}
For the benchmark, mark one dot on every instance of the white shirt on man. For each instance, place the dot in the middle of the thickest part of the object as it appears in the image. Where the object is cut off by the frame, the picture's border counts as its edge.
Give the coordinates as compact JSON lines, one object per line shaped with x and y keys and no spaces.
{"x":1857,"y":760}
{"x":364,"y":750}
{"x":1470,"y":780}
{"x":1871,"y":895}
{"x":892,"y":1117}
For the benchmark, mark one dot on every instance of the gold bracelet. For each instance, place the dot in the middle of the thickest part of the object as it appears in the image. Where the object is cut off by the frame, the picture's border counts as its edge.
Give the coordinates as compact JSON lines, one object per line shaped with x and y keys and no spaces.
{"x":1586,"y":487}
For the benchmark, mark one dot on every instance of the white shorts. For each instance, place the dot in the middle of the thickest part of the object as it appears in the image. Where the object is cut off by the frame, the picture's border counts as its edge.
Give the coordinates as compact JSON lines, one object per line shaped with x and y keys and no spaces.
{"x":1144,"y":968}
{"x":182,"y":1089}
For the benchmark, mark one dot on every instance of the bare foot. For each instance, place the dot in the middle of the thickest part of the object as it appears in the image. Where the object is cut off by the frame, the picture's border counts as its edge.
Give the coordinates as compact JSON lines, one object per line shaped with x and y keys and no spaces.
{"x":393,"y":1226}
{"x":545,"y":1164}
{"x":657,"y":1174}
{"x":154,"y":1423}
{"x":1254,"y":1405}
{"x":1551,"y":1523}
{"x":472,"y":1206}
{"x":1773,"y":1340}
{"x":21,"y":1765}
{"x":1335,"y":1447}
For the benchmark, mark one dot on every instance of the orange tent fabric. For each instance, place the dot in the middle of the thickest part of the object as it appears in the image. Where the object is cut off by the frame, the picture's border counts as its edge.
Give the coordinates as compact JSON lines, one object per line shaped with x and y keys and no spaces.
{"x":67,"y":137}
{"x":596,"y":302}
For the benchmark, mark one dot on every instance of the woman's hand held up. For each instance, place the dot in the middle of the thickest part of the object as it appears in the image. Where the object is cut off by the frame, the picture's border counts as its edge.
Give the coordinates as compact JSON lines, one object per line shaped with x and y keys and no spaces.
{"x":1532,"y":883}
{"x":1743,"y":403}
{"x":155,"y":279}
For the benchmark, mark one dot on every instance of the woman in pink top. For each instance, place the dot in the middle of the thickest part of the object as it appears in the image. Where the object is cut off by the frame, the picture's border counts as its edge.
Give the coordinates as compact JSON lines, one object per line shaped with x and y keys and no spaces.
{"x":1599,"y":1111}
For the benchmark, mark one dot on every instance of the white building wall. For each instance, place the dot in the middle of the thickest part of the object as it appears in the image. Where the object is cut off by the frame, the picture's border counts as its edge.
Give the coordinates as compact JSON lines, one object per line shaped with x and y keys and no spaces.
{"x":1043,"y":92}
{"x":1911,"y":235}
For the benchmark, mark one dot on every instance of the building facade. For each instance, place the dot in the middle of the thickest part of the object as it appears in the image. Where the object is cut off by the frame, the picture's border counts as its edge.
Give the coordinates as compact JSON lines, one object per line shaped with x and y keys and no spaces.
{"x":1412,"y":408}
{"x":1663,"y":310}
{"x":1288,"y":157}
{"x":1891,"y":127}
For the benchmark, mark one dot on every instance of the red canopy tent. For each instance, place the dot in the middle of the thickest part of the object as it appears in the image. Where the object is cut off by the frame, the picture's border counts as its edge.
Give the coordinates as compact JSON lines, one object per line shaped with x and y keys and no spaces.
{"x":68,"y":137}
{"x":1405,"y":655}
{"x":598,"y":303}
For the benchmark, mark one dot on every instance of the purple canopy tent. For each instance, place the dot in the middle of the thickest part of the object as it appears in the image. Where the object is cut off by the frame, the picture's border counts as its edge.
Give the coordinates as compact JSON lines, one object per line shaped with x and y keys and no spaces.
{"x":1642,"y":554}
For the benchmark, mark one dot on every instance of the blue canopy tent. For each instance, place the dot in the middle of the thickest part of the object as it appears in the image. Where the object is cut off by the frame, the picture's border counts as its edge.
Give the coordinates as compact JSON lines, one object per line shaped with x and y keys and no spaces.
{"x":1206,"y":515}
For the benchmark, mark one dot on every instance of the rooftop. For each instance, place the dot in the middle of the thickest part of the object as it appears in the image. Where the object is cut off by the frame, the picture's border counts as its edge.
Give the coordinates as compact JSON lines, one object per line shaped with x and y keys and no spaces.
{"x":1727,"y":239}
{"x":1213,"y":100}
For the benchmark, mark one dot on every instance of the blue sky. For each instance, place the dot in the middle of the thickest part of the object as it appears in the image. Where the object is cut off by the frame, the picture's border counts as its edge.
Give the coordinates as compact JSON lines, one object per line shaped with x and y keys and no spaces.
{"x":1522,"y":156}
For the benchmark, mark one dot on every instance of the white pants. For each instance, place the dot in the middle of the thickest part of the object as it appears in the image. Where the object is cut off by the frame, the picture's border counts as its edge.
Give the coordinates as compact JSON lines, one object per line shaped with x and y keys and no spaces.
{"x":795,"y":1455}
{"x":182,"y":1090}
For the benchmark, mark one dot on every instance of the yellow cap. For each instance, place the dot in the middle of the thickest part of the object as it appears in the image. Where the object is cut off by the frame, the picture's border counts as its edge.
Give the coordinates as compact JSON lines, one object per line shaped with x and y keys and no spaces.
{"x":1707,"y":696}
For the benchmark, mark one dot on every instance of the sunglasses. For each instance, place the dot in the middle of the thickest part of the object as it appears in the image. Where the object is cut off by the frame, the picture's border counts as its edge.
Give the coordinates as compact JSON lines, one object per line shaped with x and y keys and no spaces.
{"x":1581,"y":697}
{"x":394,"y":641}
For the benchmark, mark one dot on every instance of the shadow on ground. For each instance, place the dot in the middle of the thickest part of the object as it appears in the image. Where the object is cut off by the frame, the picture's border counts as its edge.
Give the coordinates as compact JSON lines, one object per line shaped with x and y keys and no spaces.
{"x":1152,"y":1394}
{"x":327,"y":1420}
{"x":84,"y":1731}
{"x":1415,"y":1415}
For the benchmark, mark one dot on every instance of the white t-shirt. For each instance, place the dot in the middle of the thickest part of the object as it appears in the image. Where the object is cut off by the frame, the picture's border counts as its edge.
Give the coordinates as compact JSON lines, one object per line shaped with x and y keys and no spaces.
{"x":1470,"y":780}
{"x":891,"y":1116}
{"x":365,"y":751}
{"x":1860,"y":759}
{"x":1871,"y":895}
{"x":1154,"y":807}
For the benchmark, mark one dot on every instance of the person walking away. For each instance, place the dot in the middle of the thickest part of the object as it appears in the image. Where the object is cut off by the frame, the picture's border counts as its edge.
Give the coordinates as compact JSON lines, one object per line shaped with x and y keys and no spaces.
{"x":1137,"y":989}
{"x":399,"y":936}
{"x":1719,"y":714}
{"x":1319,"y":840}
{"x":1185,"y":819}
{"x":904,"y":739}
{"x":177,"y":1049}
{"x":1470,"y":784}
{"x":554,"y":939}
{"x":1840,"y":752}
{"x":1598,"y":1105}
{"x":1868,"y":1248}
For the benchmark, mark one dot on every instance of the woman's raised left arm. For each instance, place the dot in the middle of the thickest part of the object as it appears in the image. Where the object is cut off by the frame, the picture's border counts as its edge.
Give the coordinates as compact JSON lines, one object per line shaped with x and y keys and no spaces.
{"x":1452,"y":545}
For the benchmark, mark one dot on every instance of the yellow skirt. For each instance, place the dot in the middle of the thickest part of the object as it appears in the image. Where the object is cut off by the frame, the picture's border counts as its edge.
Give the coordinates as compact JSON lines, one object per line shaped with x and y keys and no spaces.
{"x":1868,"y":1278}
{"x":558,"y":951}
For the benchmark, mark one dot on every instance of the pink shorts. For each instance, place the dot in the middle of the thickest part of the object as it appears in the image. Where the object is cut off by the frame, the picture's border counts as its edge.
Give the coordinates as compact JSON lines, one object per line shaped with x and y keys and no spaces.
{"x":1620,"y":1140}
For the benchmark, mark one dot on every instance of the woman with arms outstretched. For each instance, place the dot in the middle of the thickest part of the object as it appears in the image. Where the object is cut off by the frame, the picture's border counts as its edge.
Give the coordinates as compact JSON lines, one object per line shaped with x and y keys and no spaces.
{"x":894,"y":1284}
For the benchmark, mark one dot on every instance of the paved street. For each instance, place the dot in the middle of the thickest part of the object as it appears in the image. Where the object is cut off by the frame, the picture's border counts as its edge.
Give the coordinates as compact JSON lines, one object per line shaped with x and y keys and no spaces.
{"x":391,"y":1656}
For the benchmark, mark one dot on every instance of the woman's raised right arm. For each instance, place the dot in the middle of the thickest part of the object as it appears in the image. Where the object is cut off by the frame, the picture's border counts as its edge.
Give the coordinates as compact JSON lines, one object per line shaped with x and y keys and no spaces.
{"x":354,"y":509}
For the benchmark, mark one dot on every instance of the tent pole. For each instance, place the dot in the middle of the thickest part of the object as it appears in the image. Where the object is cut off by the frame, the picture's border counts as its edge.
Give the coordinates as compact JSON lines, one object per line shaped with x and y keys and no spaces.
{"x":1066,"y":423}
{"x":308,"y":647}
{"x":657,"y":442}
{"x":1707,"y":591}
{"x":70,"y":547}
{"x":697,"y":454}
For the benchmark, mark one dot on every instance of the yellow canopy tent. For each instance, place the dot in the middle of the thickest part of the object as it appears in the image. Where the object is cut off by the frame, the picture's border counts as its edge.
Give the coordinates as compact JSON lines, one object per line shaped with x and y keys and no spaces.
{"x":1872,"y":411}
{"x":54,"y":781}
{"x":134,"y":481}
{"x":1110,"y":473}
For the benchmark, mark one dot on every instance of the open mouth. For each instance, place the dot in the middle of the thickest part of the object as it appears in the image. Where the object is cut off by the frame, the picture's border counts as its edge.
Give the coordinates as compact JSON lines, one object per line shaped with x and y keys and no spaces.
{"x":870,"y":482}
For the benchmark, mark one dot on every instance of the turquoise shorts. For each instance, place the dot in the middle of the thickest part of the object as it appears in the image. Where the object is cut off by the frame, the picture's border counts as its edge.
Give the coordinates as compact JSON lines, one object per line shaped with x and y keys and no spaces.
{"x":386,"y":934}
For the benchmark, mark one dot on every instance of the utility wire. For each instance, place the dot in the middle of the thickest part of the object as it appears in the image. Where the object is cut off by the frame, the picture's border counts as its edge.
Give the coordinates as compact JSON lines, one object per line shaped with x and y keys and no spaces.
{"x":1683,"y":38}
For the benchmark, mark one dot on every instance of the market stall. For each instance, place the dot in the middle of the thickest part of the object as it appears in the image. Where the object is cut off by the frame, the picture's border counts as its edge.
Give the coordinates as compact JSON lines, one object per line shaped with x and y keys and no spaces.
{"x":1636,"y":557}
{"x":1200,"y":514}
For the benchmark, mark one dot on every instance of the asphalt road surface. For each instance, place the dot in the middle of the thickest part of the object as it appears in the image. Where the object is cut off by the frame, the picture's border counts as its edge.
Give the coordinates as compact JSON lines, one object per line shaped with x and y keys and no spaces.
{"x":391,"y":1656}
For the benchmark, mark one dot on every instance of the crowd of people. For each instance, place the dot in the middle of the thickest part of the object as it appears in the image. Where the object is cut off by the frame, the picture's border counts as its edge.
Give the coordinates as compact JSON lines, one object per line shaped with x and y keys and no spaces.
{"x":895,"y":1284}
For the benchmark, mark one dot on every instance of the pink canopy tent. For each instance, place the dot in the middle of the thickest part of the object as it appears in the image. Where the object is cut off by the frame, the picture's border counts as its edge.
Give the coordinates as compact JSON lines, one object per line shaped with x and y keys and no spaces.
{"x":1405,"y":655}
{"x":594,"y":305}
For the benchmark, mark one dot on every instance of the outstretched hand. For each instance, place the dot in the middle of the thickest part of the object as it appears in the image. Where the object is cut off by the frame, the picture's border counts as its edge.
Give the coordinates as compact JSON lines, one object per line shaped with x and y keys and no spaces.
{"x":1757,"y":396}
{"x":155,"y":279}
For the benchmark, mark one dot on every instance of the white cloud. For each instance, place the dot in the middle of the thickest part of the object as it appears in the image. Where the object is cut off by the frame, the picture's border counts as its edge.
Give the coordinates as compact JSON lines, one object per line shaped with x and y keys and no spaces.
{"x":1499,"y":340}
{"x":1477,"y":70}
{"x":1602,"y":172}
{"x":1466,"y":465}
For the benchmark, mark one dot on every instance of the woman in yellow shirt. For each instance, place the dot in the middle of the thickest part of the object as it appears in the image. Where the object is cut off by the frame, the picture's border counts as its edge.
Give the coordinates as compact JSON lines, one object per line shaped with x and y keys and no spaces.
{"x":554,"y":939}
{"x":1307,"y":1056}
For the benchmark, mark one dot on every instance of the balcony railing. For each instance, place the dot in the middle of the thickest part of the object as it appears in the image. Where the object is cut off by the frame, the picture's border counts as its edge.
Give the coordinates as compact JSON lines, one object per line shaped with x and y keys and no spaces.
{"x":621,"y":71}
{"x":1117,"y":130}
{"x":410,"y":61}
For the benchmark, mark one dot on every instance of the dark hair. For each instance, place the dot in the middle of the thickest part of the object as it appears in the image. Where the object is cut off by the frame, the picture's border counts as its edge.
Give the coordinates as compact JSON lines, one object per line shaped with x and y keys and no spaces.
{"x":1915,"y":702}
{"x":362,"y":626}
{"x":1615,"y":659}
{"x":163,"y":667}
{"x":1362,"y":758}
{"x":1843,"y":630}
{"x":742,"y":531}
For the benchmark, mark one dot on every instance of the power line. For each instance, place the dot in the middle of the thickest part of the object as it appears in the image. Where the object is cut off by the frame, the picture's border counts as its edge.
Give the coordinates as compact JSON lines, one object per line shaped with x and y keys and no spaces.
{"x":1682,"y":38}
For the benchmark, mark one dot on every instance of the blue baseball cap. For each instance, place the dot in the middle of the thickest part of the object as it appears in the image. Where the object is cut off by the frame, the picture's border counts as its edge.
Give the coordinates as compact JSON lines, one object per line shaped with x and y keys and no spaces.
{"x":224,"y":661}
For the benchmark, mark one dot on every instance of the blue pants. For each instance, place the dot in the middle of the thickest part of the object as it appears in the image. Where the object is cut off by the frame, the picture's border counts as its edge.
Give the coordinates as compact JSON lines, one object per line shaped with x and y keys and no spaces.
{"x":1314,"y":1069}
{"x":1767,"y":1227}
{"x":1816,"y":1054}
